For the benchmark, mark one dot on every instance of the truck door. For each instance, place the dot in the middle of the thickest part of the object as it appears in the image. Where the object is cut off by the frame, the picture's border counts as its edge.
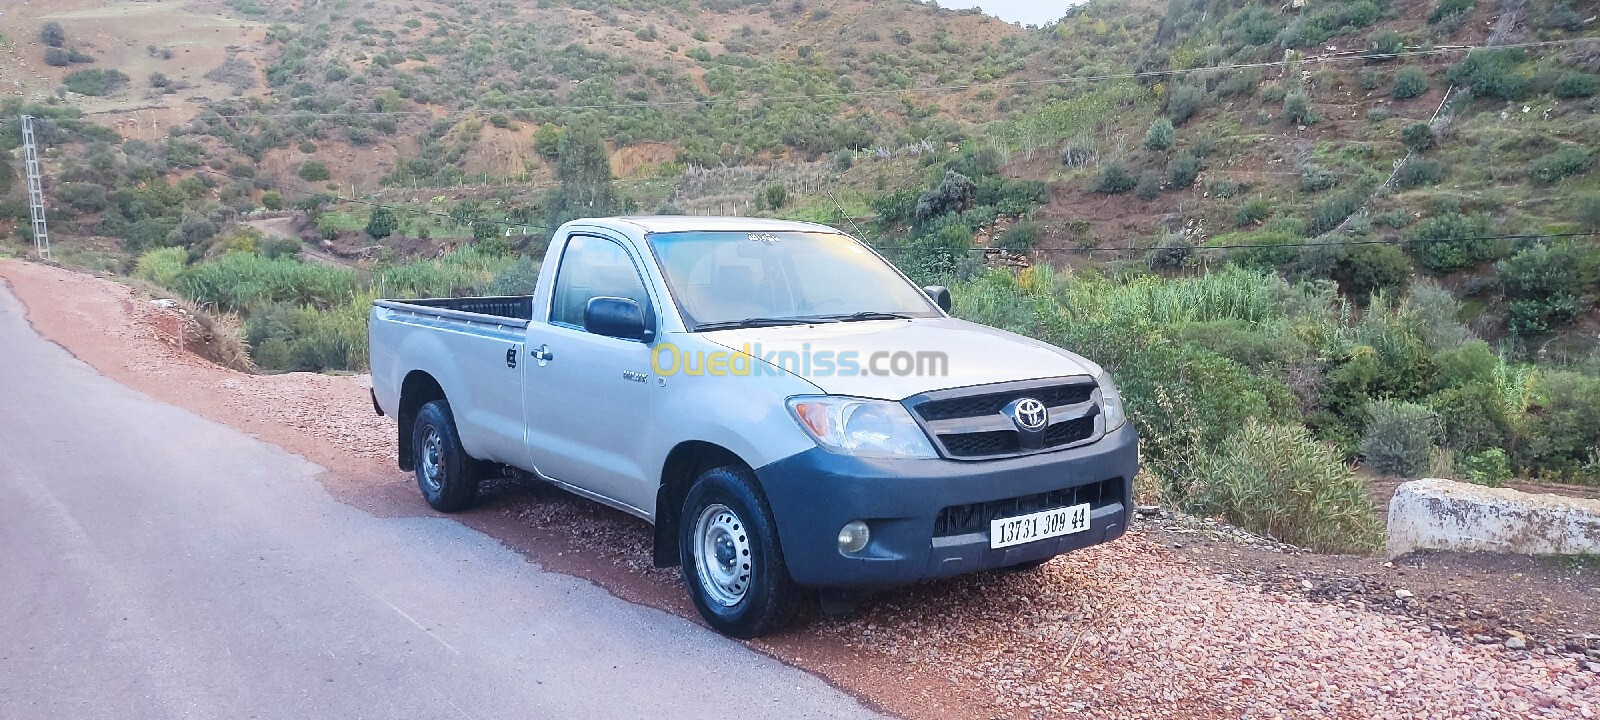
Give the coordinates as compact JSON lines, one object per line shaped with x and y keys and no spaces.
{"x":588,"y":397}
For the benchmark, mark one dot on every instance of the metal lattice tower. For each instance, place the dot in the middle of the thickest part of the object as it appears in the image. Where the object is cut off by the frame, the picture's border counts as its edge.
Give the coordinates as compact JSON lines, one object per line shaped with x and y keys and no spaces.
{"x":30,"y":153}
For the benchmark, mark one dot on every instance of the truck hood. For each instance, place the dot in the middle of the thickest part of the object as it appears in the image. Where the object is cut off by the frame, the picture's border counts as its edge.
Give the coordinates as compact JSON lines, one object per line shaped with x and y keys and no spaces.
{"x":880,"y":358}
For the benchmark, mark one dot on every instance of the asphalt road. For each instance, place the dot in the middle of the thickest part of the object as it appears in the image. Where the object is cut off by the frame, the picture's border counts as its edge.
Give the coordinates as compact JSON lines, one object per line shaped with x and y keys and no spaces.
{"x":154,"y":564}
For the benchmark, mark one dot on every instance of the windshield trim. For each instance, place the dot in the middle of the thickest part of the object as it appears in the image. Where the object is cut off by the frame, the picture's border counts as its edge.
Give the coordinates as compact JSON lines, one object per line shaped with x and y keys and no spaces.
{"x":690,"y":324}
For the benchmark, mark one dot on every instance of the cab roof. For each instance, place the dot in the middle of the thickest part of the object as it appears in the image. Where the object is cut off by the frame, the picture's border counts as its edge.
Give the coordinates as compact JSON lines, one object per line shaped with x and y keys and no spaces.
{"x":689,"y":223}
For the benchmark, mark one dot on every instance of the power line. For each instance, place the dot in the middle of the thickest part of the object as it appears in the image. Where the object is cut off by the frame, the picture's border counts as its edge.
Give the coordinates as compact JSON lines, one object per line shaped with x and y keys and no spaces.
{"x":999,"y":84}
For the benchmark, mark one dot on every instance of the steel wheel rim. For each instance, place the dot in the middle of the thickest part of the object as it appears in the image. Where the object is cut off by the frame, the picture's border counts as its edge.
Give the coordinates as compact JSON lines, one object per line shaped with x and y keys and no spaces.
{"x":432,"y":458}
{"x":722,"y":557}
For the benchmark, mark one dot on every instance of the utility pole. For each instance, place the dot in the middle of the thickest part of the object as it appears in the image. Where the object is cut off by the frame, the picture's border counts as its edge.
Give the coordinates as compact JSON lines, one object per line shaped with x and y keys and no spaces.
{"x":30,"y":153}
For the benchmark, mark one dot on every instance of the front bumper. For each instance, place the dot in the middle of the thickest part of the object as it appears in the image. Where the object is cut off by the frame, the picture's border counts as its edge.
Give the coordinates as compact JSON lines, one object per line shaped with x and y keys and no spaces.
{"x":814,"y":493}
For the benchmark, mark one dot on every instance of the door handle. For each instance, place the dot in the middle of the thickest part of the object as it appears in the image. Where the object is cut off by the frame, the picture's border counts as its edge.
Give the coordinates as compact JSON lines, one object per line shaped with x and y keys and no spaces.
{"x":542,"y":355}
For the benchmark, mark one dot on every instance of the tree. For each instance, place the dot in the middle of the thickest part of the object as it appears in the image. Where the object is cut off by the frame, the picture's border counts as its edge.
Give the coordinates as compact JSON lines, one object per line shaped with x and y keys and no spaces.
{"x":56,"y":57}
{"x":381,"y":223}
{"x":584,"y":168}
{"x":1417,"y":136}
{"x":1160,"y":135}
{"x":52,"y":34}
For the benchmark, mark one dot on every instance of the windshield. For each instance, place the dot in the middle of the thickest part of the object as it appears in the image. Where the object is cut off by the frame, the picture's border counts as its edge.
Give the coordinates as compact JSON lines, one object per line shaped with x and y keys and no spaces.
{"x":722,"y":278}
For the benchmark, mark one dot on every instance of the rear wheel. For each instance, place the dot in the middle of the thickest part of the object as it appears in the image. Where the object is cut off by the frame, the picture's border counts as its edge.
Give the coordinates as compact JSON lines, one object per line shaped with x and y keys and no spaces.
{"x":446,"y":475}
{"x":732,"y":562}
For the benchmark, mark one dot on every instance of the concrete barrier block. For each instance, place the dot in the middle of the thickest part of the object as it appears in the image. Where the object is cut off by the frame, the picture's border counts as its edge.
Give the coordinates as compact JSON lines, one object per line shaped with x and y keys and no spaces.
{"x":1446,"y":515}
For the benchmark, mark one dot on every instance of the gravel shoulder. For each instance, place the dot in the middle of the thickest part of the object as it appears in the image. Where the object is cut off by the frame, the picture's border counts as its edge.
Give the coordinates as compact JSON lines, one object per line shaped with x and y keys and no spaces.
{"x":1168,"y":622}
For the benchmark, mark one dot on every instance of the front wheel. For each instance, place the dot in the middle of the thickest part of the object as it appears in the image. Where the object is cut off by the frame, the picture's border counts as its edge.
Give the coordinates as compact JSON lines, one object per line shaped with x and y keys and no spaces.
{"x":446,"y":475}
{"x":732,"y":562}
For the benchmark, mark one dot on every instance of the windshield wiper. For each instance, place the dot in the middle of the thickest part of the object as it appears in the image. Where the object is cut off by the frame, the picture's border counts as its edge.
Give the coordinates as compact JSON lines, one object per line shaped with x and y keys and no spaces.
{"x":870,"y":315}
{"x":755,"y":322}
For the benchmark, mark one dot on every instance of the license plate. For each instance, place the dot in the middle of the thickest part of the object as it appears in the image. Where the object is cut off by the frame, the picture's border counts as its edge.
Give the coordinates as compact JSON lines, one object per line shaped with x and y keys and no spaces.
{"x":1005,"y":532}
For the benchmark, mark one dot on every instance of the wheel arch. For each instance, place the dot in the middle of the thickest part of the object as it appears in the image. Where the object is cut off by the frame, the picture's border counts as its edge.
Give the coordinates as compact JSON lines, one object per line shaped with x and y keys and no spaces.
{"x":683,"y":464}
{"x":418,"y":389}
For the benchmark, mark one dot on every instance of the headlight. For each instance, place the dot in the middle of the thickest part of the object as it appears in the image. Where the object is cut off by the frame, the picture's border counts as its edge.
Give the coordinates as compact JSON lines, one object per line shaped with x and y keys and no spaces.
{"x":863,"y":428}
{"x":1111,"y":402}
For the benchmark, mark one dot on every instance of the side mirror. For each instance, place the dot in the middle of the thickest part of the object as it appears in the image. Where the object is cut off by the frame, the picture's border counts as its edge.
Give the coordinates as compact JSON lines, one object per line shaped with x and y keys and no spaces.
{"x":615,"y":317}
{"x":940,"y":295}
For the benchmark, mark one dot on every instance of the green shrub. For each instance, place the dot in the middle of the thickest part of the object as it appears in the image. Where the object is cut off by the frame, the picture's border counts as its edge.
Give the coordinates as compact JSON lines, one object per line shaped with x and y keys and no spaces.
{"x":1419,"y":171}
{"x":518,"y":279}
{"x":1022,"y":236}
{"x":1417,"y":136}
{"x":1315,"y":178}
{"x":1149,"y":187}
{"x":1297,"y":109}
{"x":1437,"y":315}
{"x":1279,"y":481}
{"x":94,"y":82}
{"x":1114,"y":178}
{"x":56,"y":57}
{"x":1545,"y":286}
{"x":1490,"y":467}
{"x":774,"y":197}
{"x":272,"y":200}
{"x":1183,"y":170}
{"x":1587,"y":211}
{"x":1449,"y":8}
{"x":52,"y":34}
{"x":1386,"y":42}
{"x":1410,"y":82}
{"x":1470,"y":363}
{"x":1473,"y":416}
{"x":1400,"y":438}
{"x":313,"y":171}
{"x":273,"y":248}
{"x":1258,"y":346}
{"x":1559,"y":164}
{"x":381,"y":223}
{"x":1160,"y":135}
{"x":1366,"y":269}
{"x":161,"y":266}
{"x":1252,"y":212}
{"x":1560,"y":436}
{"x":1328,"y":215}
{"x":1576,"y":85}
{"x":1183,"y":102}
{"x":1491,"y":73}
{"x":1450,"y":242}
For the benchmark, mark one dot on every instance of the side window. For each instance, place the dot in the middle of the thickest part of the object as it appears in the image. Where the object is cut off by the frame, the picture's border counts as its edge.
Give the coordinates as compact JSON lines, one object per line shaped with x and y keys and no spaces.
{"x":593,"y":267}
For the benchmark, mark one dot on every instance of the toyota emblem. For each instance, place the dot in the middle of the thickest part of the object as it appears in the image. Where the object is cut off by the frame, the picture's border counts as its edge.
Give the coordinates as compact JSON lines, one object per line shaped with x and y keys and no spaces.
{"x":1030,"y":415}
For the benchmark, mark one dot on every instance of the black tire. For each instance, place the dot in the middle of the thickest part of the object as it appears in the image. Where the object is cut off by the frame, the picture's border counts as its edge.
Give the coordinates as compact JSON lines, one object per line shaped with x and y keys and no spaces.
{"x":725,"y":504}
{"x":448,"y":478}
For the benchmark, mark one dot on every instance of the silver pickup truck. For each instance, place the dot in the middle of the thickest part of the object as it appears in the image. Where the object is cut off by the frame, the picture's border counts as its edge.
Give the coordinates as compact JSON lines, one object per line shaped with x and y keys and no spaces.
{"x":787,"y":409}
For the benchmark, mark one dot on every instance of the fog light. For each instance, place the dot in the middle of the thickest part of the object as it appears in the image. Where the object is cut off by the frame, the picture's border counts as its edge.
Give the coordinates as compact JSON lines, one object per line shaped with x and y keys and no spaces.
{"x":854,"y":536}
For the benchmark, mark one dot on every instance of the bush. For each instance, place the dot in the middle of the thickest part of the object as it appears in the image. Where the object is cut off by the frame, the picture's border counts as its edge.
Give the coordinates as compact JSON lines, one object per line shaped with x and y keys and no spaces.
{"x":1367,"y":269}
{"x":56,"y":57}
{"x":1474,"y":416}
{"x":953,"y":194}
{"x":1022,"y":236}
{"x":1587,"y":211}
{"x":381,"y":223}
{"x":1279,"y":481}
{"x":1183,"y":102}
{"x":1417,"y":136}
{"x":1561,"y":433}
{"x":1400,"y":438}
{"x":1328,"y":215}
{"x":94,"y":82}
{"x":1559,"y":164}
{"x":1576,"y":85}
{"x":1172,"y":253}
{"x":1410,"y":82}
{"x":1491,"y":73}
{"x":1252,"y":212}
{"x":275,"y":247}
{"x":773,"y":197}
{"x":1451,"y":242}
{"x":52,"y":34}
{"x":1315,"y":178}
{"x":1114,"y":178}
{"x":1470,"y":363}
{"x":1386,"y":42}
{"x":161,"y":266}
{"x":1183,"y":170}
{"x":1420,"y":171}
{"x":1491,"y":467}
{"x":1160,"y":135}
{"x":313,"y":171}
{"x":1149,"y":187}
{"x":1297,"y":109}
{"x":1447,"y":9}
{"x":1545,"y":287}
{"x":272,"y":200}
